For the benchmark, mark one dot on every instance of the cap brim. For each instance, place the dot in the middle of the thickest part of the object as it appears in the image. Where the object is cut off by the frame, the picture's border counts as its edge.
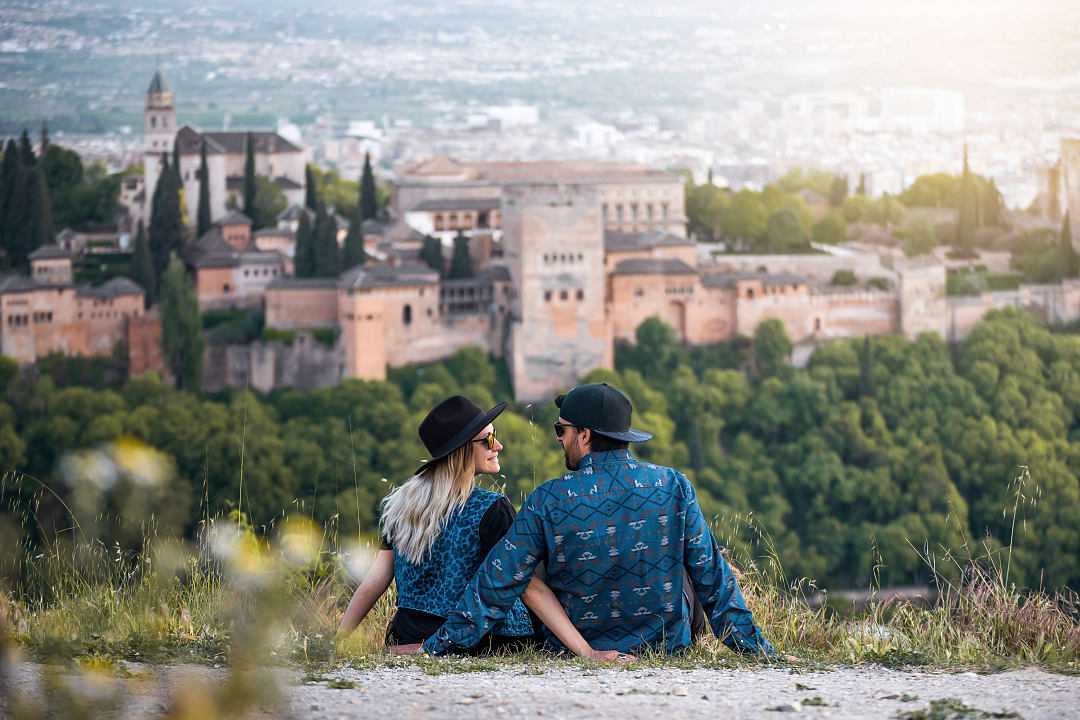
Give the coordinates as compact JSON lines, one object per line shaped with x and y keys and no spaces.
{"x":464,"y":435}
{"x":631,"y":435}
{"x":559,"y":399}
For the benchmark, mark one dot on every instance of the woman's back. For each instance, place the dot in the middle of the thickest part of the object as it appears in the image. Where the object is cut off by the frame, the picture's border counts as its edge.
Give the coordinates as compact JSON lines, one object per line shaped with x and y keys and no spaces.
{"x":435,"y":584}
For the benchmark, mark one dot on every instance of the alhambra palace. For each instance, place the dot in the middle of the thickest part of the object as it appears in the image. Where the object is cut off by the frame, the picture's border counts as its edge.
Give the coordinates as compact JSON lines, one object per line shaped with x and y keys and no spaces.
{"x":569,"y":257}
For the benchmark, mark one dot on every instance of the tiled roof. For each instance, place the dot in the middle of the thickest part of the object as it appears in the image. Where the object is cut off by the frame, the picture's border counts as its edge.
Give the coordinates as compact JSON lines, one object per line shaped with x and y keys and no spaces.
{"x":14,"y":283}
{"x":157,"y":84}
{"x":293,"y":213}
{"x":116,"y":287}
{"x":653,"y":266}
{"x":615,"y":241}
{"x":499,"y":173}
{"x":368,"y":276}
{"x":717,"y":279}
{"x":50,"y":252}
{"x":444,"y":204}
{"x":235,"y":142}
{"x":295,"y":283}
{"x":189,"y":142}
{"x":235,"y":218}
{"x":287,"y":183}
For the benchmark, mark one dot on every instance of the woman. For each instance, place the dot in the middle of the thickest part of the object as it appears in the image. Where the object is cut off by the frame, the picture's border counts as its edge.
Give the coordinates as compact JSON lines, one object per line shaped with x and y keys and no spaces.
{"x":436,"y":530}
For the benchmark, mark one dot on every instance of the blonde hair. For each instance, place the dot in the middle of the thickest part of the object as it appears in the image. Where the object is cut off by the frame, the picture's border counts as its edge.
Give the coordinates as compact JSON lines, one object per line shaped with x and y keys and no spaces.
{"x":414,"y":514}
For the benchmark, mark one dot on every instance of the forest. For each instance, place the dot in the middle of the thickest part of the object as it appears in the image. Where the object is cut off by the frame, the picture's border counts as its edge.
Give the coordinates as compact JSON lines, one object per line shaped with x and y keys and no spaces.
{"x":881,"y":460}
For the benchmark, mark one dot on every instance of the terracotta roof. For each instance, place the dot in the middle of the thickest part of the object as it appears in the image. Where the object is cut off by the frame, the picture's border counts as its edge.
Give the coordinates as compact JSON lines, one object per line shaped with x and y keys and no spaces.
{"x":615,"y":241}
{"x":653,"y":266}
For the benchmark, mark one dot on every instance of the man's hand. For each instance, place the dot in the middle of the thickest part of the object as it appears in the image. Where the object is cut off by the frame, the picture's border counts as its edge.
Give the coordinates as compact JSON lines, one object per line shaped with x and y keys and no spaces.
{"x":612,"y":656}
{"x":413,"y":649}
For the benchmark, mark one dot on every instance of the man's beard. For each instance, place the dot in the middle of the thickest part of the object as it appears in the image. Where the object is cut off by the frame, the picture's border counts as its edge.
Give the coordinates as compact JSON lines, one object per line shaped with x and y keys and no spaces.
{"x":570,"y":465}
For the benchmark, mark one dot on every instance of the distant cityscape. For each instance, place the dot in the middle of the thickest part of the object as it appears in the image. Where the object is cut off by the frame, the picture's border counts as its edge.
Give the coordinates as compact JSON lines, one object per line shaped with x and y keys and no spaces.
{"x":747,"y":96}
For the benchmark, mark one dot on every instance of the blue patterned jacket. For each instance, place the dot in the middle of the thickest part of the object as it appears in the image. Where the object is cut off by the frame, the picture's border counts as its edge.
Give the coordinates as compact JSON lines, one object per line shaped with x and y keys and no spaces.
{"x":615,"y":537}
{"x":435,"y":586}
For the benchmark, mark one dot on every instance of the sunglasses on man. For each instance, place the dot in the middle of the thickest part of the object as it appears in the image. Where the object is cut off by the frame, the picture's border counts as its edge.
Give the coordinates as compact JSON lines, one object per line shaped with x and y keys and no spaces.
{"x":489,"y":440}
{"x":560,"y":428}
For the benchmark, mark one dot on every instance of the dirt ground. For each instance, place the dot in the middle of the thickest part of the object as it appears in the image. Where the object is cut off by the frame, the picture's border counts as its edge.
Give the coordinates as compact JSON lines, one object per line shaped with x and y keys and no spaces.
{"x":626,"y":694}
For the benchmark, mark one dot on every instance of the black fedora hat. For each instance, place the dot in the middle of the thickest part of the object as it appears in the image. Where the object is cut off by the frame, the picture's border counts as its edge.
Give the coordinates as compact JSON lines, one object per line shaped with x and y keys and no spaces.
{"x":451,"y":424}
{"x":601,"y":408}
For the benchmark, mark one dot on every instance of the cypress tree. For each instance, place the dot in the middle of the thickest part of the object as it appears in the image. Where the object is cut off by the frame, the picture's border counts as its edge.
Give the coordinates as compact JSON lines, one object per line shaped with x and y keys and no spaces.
{"x":181,"y":326}
{"x":26,"y":150}
{"x":353,"y":253}
{"x":327,"y":261}
{"x":249,"y":177}
{"x":1070,"y":261}
{"x":369,"y":204}
{"x":311,"y":192}
{"x":142,"y":267}
{"x":432,"y":254}
{"x":44,"y":137}
{"x":20,"y":218}
{"x":40,"y":228}
{"x":203,"y":211}
{"x":10,"y":170}
{"x":176,"y":160}
{"x":861,"y":189}
{"x":461,"y":261}
{"x":166,"y":223}
{"x":966,"y":218}
{"x":709,"y":177}
{"x":303,"y":257}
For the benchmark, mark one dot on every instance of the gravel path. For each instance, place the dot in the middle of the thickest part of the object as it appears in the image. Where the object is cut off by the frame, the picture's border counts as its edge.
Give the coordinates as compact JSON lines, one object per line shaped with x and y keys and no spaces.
{"x":653,"y":694}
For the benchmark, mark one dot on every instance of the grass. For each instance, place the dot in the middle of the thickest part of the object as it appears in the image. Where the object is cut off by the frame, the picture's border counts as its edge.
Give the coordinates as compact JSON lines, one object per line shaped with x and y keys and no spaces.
{"x":246,"y":602}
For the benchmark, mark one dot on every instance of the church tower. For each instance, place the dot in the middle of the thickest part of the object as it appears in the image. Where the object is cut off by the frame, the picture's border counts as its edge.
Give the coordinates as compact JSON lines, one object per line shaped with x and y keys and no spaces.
{"x":159,"y":134}
{"x":159,"y":118}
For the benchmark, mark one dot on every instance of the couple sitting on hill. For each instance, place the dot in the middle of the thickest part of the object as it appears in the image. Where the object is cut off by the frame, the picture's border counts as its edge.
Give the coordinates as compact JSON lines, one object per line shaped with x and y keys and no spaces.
{"x":614,"y":558}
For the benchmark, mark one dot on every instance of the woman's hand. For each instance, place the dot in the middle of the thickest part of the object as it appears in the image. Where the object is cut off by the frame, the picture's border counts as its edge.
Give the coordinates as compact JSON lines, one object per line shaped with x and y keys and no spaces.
{"x":412,"y":649}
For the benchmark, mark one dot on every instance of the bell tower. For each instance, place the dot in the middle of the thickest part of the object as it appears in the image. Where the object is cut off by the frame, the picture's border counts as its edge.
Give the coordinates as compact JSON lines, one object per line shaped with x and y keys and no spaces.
{"x":159,"y":134}
{"x":159,"y":118}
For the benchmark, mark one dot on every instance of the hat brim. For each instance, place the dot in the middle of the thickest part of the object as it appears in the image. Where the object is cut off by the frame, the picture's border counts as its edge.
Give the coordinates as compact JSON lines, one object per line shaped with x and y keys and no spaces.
{"x":463,"y":436}
{"x":632,"y":435}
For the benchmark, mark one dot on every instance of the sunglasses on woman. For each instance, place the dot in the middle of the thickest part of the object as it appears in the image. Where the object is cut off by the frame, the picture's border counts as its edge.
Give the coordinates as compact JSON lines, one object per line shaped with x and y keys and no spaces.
{"x":488,"y":440}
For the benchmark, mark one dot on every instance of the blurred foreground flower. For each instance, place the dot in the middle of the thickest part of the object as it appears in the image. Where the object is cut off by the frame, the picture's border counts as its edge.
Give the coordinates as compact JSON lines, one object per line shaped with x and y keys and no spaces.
{"x":140,"y":462}
{"x":89,"y":466}
{"x":103,"y":466}
{"x":355,"y":559}
{"x":300,"y":540}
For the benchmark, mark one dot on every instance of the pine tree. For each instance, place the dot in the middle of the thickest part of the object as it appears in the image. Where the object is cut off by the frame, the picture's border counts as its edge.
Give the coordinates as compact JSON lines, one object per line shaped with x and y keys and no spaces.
{"x":311,"y":192}
{"x":166,"y":223}
{"x":369,"y":204}
{"x":26,"y":150}
{"x":142,"y":267}
{"x":181,"y":326}
{"x":303,"y":255}
{"x":966,"y":219}
{"x":203,"y":211}
{"x":250,"y":187}
{"x":1070,"y":260}
{"x":432,"y":254}
{"x":461,"y":261}
{"x":327,"y":262}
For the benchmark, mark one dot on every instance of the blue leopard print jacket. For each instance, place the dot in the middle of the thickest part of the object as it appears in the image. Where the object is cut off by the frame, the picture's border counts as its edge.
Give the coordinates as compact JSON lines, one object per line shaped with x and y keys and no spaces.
{"x":436,"y":585}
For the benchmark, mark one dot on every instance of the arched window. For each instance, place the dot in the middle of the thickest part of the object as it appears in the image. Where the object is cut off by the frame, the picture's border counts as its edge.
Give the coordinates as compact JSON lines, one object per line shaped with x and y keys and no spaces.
{"x":406,"y":315}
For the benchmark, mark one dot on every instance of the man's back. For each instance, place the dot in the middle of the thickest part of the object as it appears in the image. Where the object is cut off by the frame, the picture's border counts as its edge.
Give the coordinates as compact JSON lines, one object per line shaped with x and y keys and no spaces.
{"x":615,"y":536}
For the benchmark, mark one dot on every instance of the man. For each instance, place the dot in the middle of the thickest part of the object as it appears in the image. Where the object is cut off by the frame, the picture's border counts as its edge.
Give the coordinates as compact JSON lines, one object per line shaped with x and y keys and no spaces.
{"x":614,"y":537}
